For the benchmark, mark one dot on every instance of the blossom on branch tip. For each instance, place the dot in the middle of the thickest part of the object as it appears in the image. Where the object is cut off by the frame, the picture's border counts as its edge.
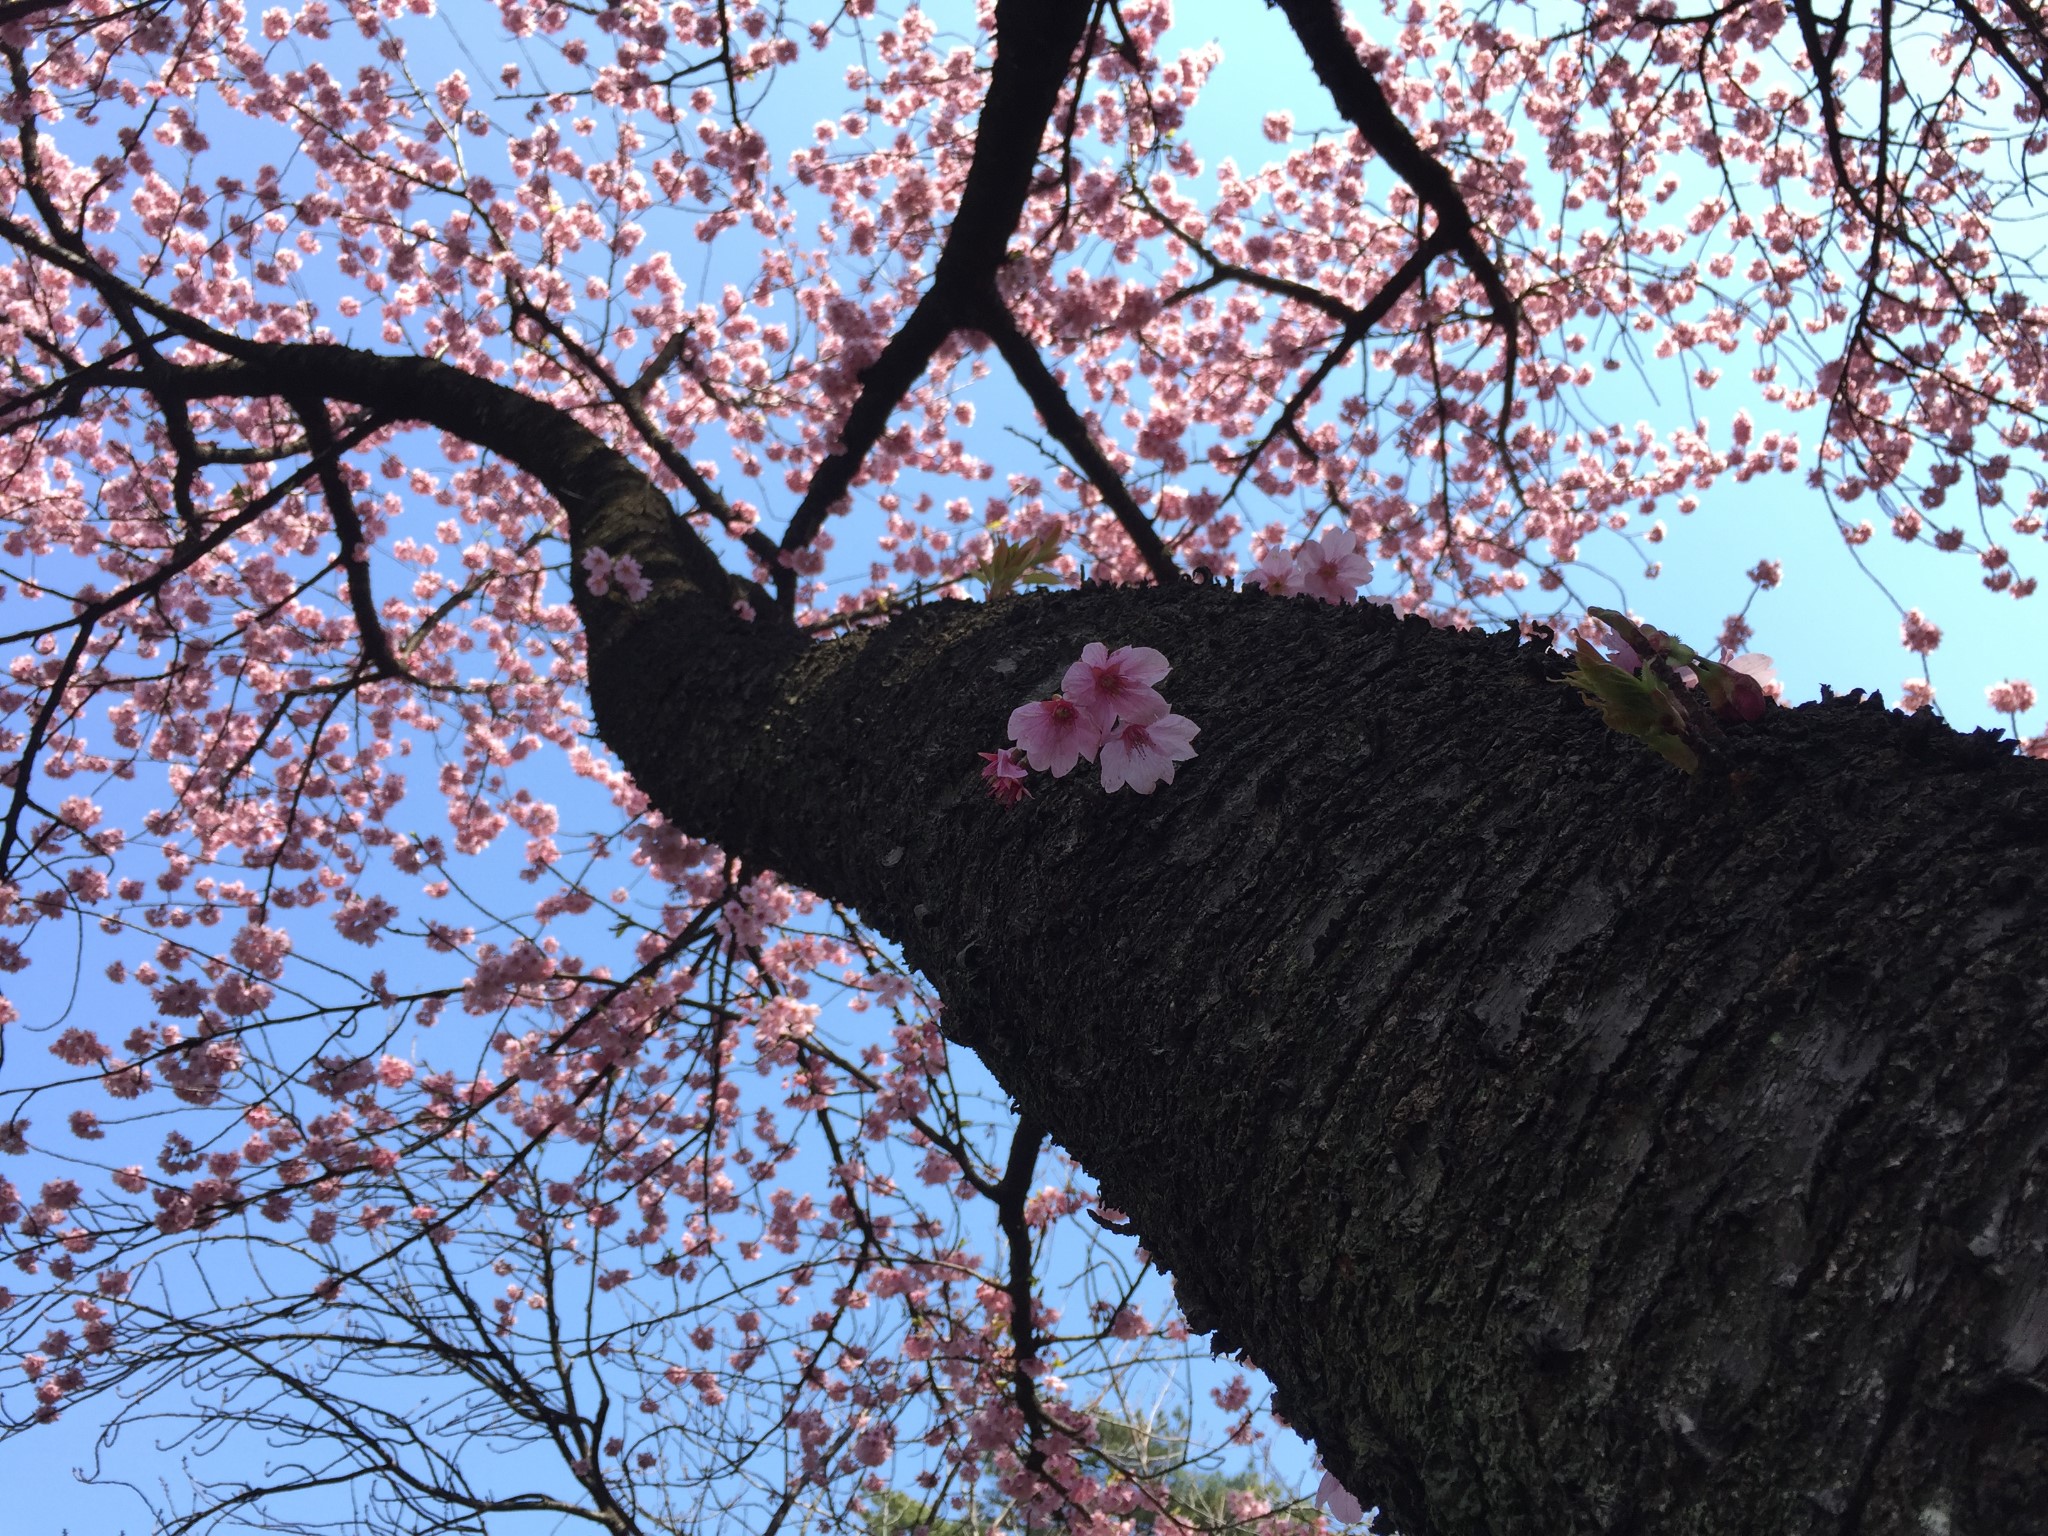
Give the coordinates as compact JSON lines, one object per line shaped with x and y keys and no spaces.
{"x":874,"y":1444}
{"x":1106,"y":684}
{"x":1141,"y":753}
{"x":1055,"y":734}
{"x":2011,"y":697}
{"x":1916,"y":634}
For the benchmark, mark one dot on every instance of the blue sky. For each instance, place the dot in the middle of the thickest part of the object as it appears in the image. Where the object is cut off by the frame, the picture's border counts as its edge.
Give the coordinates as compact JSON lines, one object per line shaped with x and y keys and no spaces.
{"x":1831,"y":621}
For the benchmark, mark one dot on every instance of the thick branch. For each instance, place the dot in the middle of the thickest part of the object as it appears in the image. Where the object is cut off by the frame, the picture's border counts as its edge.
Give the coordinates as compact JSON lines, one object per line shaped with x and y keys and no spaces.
{"x":632,"y":399}
{"x":608,"y":502}
{"x":1012,"y":1193}
{"x":1072,"y":434}
{"x":1606,"y":1161}
{"x":348,"y":531}
{"x":1035,"y":45}
{"x":1319,"y":27}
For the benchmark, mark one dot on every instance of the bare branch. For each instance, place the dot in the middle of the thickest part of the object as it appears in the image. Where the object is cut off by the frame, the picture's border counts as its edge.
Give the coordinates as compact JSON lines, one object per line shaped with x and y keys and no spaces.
{"x":1036,"y":41}
{"x":1067,"y":427}
{"x":606,"y":497}
{"x":1319,"y":27}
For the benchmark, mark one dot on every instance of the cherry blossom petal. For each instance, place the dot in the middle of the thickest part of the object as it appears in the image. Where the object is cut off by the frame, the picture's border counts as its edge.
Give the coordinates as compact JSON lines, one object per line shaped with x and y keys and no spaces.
{"x":1330,"y":567}
{"x":1277,"y":573}
{"x":1106,"y":685}
{"x":1142,"y":754}
{"x":1054,"y":735}
{"x":1343,"y":1506}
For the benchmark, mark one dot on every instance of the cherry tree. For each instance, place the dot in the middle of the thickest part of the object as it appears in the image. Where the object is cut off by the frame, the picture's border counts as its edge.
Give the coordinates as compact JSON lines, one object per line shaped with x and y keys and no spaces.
{"x":433,"y":446}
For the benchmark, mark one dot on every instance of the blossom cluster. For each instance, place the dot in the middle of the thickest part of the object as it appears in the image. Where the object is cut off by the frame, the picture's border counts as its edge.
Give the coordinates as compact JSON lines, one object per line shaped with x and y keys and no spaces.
{"x":2013,"y":698}
{"x":1108,"y":708}
{"x":1328,"y":566}
{"x":601,"y":569}
{"x":1916,"y":634}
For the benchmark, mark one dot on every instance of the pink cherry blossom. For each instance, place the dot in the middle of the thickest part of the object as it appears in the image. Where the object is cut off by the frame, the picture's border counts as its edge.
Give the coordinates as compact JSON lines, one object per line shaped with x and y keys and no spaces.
{"x":1331,"y":568}
{"x":1105,"y":685}
{"x":1621,"y":653}
{"x":1276,"y":572}
{"x":1130,"y":1323}
{"x":362,"y":920}
{"x":873,"y":1445}
{"x":1343,"y":1505}
{"x":1142,"y":753}
{"x":1054,"y":734}
{"x":1743,"y":687}
{"x":1756,"y":665}
{"x":598,"y":566}
{"x":626,"y":571}
{"x":1750,"y":684}
{"x":2011,"y":697}
{"x":1916,"y":634}
{"x":1005,"y":776}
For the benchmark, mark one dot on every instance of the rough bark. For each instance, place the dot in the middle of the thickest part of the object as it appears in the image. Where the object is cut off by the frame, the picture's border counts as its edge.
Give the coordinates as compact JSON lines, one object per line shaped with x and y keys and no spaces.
{"x":1579,"y":1147}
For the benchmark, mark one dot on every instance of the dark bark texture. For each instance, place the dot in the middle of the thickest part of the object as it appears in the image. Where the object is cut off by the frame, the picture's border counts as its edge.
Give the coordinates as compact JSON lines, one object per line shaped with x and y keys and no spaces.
{"x":1578,"y":1146}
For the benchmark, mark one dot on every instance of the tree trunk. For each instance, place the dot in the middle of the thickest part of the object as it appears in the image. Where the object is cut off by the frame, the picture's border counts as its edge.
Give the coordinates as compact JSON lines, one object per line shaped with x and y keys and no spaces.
{"x":1578,"y":1146}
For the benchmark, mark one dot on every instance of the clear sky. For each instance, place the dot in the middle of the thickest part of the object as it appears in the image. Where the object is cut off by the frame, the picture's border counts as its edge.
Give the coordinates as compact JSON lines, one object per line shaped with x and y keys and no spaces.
{"x":1831,"y":620}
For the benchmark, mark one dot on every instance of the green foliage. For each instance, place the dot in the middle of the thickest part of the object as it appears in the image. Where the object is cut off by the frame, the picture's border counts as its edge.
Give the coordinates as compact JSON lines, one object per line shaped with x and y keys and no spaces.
{"x":1671,"y":699}
{"x":1641,"y":705}
{"x":1197,"y":1498}
{"x":896,"y":1513}
{"x":1155,"y":1455}
{"x":1010,"y":565}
